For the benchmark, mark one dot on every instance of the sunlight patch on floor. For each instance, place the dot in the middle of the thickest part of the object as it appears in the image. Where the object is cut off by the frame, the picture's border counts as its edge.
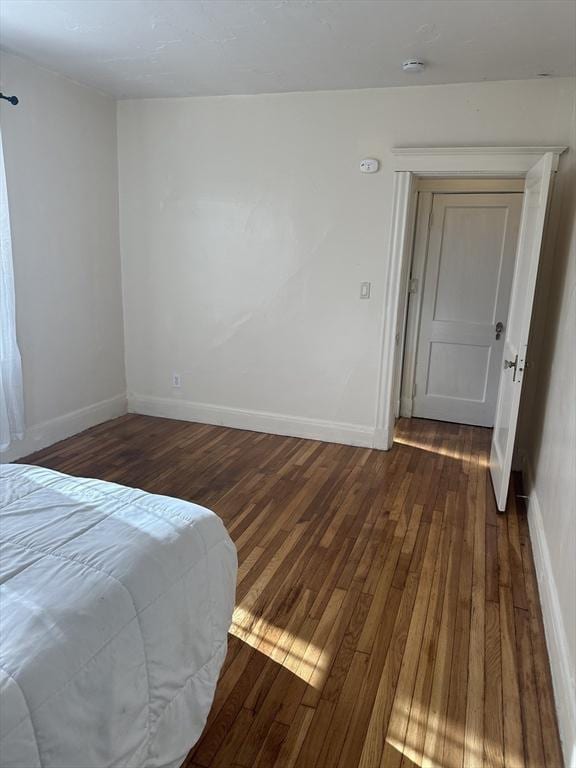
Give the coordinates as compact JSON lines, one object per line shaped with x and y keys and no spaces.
{"x":442,"y":451}
{"x":442,"y":743}
{"x":297,"y":654}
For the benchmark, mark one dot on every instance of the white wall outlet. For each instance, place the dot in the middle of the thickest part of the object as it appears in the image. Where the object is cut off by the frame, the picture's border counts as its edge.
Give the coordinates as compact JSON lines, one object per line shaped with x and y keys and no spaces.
{"x":176,"y":381}
{"x":364,"y":290}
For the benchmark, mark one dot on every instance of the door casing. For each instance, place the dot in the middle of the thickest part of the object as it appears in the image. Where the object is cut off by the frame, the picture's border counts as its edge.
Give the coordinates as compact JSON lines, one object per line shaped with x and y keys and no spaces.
{"x":411,"y":164}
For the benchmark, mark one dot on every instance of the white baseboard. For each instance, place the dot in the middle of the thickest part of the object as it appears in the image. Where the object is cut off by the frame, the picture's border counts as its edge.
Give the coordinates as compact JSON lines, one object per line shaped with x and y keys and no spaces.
{"x":256,"y":421}
{"x":556,"y":636}
{"x":49,"y":432}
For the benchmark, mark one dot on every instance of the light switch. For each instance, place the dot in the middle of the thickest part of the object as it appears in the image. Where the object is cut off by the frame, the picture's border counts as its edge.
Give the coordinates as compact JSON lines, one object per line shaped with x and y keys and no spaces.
{"x":364,"y":290}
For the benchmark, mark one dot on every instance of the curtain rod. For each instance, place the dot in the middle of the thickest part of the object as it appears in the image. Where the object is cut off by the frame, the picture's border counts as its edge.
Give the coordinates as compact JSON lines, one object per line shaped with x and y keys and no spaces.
{"x":12,"y":99}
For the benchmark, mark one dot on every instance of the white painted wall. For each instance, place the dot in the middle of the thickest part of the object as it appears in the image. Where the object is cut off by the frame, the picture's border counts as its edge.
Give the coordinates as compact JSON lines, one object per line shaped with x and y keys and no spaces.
{"x":246,"y":228}
{"x":551,"y":457}
{"x":61,"y":165}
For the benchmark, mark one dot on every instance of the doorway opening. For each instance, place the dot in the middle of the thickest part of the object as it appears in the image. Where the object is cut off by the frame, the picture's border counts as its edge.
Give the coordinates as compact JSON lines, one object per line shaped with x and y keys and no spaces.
{"x":536,"y":166}
{"x":458,"y":295}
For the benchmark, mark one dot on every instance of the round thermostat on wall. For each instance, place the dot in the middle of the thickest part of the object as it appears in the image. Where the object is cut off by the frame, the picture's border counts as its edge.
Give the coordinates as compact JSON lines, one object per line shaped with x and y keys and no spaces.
{"x":369,"y":165}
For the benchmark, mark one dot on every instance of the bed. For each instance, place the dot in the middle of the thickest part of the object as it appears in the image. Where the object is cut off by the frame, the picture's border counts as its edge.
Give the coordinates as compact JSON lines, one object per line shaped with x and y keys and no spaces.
{"x":114,"y":610}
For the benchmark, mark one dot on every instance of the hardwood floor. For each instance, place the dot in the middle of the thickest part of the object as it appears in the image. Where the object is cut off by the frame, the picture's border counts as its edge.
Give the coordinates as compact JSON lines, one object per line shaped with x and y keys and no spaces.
{"x":386,"y":614}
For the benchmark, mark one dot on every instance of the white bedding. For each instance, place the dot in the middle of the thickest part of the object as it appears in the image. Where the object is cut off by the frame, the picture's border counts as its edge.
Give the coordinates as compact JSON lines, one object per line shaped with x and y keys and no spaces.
{"x":114,"y":611}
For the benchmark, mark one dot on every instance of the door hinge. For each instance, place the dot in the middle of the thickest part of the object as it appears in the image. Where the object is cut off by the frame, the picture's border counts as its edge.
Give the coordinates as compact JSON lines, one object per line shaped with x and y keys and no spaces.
{"x":413,"y":285}
{"x":414,"y":390}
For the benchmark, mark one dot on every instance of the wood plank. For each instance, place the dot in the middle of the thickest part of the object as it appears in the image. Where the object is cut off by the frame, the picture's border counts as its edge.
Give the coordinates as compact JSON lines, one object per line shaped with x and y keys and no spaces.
{"x":436,"y":714}
{"x":532,"y":731}
{"x":356,"y":735}
{"x":378,"y":725}
{"x":474,"y":724}
{"x":399,"y":717}
{"x":297,"y":732}
{"x":341,"y":715}
{"x":512,"y":715}
{"x":412,"y":750}
{"x":493,"y":717}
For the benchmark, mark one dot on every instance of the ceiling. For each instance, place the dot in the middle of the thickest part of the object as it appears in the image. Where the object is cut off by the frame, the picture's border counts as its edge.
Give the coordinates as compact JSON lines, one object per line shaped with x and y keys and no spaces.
{"x":148,"y":48}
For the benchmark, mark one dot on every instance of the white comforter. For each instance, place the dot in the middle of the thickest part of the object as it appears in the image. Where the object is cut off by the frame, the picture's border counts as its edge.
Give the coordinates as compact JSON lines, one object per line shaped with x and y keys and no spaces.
{"x":114,"y":611}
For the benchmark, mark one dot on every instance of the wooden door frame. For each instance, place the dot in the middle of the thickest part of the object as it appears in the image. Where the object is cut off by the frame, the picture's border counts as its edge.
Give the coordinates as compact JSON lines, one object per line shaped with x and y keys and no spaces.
{"x":409,"y":338}
{"x":409,"y":165}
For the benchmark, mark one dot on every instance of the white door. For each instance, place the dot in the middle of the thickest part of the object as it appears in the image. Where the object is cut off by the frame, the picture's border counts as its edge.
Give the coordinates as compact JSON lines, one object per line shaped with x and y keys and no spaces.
{"x":536,"y":194}
{"x":467,"y":282}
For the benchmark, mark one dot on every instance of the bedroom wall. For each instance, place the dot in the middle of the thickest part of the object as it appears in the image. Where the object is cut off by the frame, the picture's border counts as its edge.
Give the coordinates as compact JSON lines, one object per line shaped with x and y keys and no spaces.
{"x":246,"y":229}
{"x":550,"y":447}
{"x":60,"y":150}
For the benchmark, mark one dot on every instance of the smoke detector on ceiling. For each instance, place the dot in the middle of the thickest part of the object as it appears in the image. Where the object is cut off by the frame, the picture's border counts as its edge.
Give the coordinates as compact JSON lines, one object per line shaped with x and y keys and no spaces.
{"x":413,"y":65}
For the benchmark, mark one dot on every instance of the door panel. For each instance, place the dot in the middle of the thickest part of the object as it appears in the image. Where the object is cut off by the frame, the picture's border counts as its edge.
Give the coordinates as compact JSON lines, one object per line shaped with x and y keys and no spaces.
{"x":536,"y":196}
{"x":467,"y":365}
{"x":470,"y":266}
{"x":467,"y":282}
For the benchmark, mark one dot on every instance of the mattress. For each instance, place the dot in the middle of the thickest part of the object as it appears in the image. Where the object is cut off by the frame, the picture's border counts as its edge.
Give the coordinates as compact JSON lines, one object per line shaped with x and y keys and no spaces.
{"x":114,"y":610}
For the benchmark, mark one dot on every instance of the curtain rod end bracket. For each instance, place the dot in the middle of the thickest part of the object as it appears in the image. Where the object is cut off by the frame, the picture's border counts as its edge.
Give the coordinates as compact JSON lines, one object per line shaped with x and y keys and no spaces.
{"x":12,"y":99}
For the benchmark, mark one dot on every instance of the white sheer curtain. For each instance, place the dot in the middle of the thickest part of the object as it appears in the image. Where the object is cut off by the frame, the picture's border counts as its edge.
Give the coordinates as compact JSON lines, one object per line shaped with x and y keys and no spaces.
{"x":11,"y":397}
